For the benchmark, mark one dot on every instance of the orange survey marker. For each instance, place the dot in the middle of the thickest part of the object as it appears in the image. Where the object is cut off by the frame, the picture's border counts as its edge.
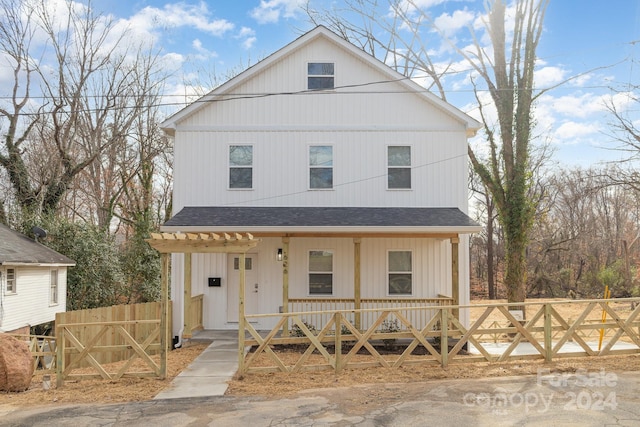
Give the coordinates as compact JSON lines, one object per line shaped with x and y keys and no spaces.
{"x":607,"y":295}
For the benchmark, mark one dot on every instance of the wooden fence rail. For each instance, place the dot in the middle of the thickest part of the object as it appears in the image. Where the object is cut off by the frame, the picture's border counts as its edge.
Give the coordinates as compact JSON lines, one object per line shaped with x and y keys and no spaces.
{"x":443,"y":339}
{"x":43,"y":350}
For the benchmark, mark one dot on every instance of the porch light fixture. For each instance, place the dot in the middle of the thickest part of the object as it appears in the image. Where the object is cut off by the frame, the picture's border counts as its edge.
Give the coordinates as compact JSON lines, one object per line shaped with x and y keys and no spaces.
{"x":279,"y":255}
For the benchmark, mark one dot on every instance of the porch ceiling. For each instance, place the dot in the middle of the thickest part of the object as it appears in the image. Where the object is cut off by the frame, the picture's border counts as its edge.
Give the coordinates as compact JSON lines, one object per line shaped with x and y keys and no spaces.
{"x":202,"y":242}
{"x":351,"y":221}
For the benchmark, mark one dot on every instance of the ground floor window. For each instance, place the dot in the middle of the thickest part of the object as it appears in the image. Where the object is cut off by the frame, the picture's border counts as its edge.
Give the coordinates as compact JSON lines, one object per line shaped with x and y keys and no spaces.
{"x":11,"y":281}
{"x":400,"y":273}
{"x":320,"y":272}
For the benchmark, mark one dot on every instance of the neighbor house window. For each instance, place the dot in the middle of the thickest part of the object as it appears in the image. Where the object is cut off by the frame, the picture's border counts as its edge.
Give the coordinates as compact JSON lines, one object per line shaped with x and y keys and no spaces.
{"x":320,"y":272}
{"x":320,"y":166}
{"x":11,"y":281}
{"x":400,"y":273}
{"x":240,"y":166}
{"x":54,"y":286}
{"x":320,"y":75}
{"x":399,"y":167}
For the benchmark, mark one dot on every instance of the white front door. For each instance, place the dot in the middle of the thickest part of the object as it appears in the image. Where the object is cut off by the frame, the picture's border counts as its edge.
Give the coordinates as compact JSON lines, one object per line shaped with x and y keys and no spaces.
{"x":251,"y":292}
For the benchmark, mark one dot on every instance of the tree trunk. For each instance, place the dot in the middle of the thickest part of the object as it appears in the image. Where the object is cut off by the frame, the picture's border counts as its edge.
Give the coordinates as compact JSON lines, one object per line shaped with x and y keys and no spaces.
{"x":491,"y":280}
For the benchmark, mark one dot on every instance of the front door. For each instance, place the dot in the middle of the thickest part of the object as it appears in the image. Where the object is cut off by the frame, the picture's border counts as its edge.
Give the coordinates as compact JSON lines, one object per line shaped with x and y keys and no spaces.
{"x":233,"y":284}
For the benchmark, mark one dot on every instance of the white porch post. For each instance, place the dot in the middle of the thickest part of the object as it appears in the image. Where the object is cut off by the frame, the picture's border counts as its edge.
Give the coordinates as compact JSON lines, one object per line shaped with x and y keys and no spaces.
{"x":356,"y":281}
{"x":455,"y":274}
{"x":186,"y":332}
{"x":285,"y":283}
{"x":241,"y":319}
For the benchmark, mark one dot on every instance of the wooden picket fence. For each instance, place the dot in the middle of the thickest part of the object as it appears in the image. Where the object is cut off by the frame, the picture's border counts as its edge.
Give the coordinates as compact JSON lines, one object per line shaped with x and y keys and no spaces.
{"x":337,"y":344}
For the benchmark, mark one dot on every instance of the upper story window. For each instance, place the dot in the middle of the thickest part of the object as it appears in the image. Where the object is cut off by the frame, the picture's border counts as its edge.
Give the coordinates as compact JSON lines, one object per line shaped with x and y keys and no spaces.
{"x":400,"y":273}
{"x":241,"y":166}
{"x":320,"y":167}
{"x":11,"y":281}
{"x":320,"y":272}
{"x":399,"y":167}
{"x":320,"y":75}
{"x":54,"y":287}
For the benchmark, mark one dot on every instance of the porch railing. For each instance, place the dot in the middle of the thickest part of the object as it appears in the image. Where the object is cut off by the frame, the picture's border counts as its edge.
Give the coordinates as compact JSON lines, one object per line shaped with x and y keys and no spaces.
{"x":319,"y":309}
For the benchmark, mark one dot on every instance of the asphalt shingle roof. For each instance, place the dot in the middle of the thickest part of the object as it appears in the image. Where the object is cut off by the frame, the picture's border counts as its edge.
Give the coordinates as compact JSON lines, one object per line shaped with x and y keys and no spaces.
{"x":237,"y":217}
{"x":18,"y":248}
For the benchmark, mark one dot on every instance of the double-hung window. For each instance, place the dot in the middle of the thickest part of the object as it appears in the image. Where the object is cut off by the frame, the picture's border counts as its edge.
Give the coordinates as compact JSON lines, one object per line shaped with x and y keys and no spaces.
{"x":320,"y":167}
{"x":398,"y":167}
{"x":11,"y":281}
{"x":320,"y":272}
{"x":400,"y":273}
{"x":240,"y":166}
{"x":54,"y":287}
{"x":320,"y":75}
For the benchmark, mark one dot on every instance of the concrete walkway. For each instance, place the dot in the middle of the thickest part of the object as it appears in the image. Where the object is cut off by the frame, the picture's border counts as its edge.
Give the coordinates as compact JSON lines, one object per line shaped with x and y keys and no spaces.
{"x":208,"y":374}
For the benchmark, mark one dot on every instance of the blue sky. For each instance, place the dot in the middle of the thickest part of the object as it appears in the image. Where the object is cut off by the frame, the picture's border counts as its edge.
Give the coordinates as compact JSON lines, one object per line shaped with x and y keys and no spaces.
{"x":224,"y":36}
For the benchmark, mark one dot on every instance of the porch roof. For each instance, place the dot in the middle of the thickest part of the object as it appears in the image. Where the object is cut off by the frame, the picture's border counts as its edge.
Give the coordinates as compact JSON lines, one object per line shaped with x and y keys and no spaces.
{"x":264,"y":220}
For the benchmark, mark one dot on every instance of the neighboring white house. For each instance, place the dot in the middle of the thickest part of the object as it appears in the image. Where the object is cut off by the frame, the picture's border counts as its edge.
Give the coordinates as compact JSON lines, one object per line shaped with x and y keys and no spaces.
{"x":354,"y":174}
{"x":33,"y":282}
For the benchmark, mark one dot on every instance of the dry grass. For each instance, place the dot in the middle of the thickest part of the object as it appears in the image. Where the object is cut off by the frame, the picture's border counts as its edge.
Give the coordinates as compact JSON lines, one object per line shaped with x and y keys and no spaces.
{"x":101,"y":391}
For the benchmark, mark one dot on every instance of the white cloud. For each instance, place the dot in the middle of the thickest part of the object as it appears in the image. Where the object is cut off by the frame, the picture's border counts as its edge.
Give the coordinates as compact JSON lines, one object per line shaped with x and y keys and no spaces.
{"x":451,"y":24}
{"x":270,"y":11}
{"x":573,"y":131}
{"x":549,"y":76}
{"x":249,"y":42}
{"x":179,"y":15}
{"x":247,"y":35}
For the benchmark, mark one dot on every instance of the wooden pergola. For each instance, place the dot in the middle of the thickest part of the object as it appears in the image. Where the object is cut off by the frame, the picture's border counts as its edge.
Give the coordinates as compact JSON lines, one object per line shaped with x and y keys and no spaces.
{"x":187,"y":244}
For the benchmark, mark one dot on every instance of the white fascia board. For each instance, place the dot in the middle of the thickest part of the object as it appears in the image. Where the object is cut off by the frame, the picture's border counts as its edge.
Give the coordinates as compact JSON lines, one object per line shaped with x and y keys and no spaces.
{"x":34,"y":264}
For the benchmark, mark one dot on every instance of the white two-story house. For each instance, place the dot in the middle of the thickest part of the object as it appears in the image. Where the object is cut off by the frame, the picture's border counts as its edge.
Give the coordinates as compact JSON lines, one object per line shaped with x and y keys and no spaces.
{"x":353,"y":177}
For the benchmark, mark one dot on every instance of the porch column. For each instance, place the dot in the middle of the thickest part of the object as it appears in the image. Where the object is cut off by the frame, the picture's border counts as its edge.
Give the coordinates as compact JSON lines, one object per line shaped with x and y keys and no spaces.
{"x":186,"y":332}
{"x":356,"y":280}
{"x":455,"y":275}
{"x":164,"y":313}
{"x":241,"y":320}
{"x":285,"y":283}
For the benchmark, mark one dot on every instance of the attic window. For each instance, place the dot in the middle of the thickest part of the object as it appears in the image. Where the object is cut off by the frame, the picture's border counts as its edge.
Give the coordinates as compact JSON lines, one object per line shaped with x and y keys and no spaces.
{"x":320,"y":75}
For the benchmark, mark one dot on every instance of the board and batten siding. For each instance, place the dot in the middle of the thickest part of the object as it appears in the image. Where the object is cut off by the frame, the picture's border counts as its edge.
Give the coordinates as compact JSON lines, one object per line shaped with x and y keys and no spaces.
{"x":31,"y":304}
{"x":281,"y":169}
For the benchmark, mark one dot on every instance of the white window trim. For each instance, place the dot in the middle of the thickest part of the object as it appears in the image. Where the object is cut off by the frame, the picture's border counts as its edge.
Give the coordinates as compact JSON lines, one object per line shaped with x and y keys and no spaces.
{"x":5,"y":288}
{"x":410,"y":167}
{"x":333,"y":166}
{"x":252,"y":167}
{"x":390,"y":295}
{"x":57,"y":275}
{"x":333,"y":274}
{"x":335,"y":74}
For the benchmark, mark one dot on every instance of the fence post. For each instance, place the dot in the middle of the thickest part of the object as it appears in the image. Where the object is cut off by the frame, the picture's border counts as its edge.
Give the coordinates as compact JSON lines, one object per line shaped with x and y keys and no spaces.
{"x":59,"y":352}
{"x":444,"y":338}
{"x":338,"y":343}
{"x":548,"y":344}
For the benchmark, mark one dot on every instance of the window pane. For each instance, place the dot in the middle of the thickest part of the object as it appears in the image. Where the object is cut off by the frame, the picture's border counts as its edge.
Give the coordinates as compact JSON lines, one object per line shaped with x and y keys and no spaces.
{"x":400,"y":261}
{"x":240,"y":177}
{"x":320,"y":261}
{"x":399,"y":156}
{"x":321,"y":155}
{"x":399,"y":178}
{"x":54,"y":286}
{"x":320,"y":69}
{"x":320,"y":283}
{"x":321,"y":178}
{"x":240,"y":155}
{"x":247,"y":263}
{"x":400,"y":284}
{"x":320,"y":83}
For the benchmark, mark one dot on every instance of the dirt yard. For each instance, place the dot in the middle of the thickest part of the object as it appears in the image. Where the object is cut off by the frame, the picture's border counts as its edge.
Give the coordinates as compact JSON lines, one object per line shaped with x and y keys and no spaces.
{"x":278,"y":384}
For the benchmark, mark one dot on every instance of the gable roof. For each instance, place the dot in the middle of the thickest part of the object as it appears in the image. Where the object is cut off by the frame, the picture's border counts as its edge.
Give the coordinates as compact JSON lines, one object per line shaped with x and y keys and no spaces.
{"x":330,"y":220}
{"x":18,"y":249}
{"x":472,"y":125}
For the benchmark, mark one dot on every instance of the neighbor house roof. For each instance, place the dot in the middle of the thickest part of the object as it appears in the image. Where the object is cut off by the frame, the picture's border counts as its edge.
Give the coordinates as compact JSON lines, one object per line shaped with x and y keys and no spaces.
{"x":321,"y":219}
{"x":171,"y":123}
{"x":18,"y":249}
